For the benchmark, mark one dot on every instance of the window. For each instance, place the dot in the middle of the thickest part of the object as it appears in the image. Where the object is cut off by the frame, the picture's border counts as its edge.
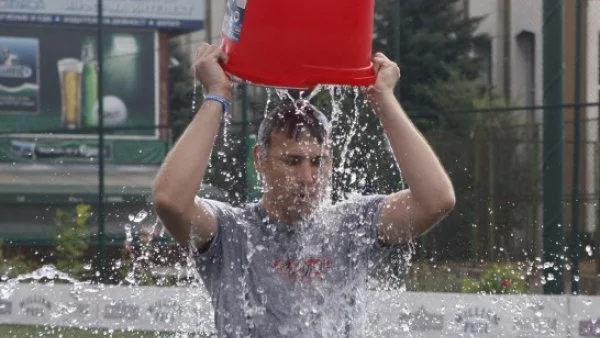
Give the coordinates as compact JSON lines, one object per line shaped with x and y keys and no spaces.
{"x":484,"y":52}
{"x":526,"y":58}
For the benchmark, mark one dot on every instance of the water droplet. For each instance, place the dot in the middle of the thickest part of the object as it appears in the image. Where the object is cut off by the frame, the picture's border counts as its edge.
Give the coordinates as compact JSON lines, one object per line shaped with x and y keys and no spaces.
{"x":589,"y":251}
{"x":140,"y":216}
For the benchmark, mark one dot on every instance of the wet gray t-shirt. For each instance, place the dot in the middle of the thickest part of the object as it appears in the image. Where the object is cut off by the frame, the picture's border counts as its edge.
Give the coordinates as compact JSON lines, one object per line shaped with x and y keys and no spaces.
{"x":269,"y":279}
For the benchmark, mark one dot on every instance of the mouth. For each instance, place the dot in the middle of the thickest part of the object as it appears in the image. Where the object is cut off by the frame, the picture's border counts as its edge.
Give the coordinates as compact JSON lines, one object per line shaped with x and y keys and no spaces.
{"x":304,"y":196}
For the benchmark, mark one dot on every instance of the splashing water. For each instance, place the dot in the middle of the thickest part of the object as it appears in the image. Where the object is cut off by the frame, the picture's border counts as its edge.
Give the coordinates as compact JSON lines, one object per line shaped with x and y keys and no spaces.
{"x":139,"y":217}
{"x":194,"y":95}
{"x":46,"y":272}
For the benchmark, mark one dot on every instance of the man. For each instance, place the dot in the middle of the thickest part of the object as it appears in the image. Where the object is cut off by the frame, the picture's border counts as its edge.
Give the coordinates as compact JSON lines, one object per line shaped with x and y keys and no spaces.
{"x":292,"y":265}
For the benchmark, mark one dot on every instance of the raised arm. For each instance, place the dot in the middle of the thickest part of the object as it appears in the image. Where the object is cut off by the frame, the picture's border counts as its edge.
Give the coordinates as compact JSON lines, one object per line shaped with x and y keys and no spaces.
{"x":430,"y":195}
{"x":180,"y":175}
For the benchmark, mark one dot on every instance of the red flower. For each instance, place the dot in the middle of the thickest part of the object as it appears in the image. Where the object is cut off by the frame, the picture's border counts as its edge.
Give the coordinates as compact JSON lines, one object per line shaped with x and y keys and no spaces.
{"x":505,"y":282}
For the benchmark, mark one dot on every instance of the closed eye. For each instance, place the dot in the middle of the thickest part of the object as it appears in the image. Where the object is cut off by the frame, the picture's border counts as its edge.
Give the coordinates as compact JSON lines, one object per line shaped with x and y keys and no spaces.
{"x":291,"y":160}
{"x":318,"y":161}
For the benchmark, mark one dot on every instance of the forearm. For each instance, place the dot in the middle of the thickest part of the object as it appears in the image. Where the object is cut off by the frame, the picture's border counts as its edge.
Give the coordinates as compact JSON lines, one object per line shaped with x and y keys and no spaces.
{"x":429,"y":184}
{"x":183,"y":170}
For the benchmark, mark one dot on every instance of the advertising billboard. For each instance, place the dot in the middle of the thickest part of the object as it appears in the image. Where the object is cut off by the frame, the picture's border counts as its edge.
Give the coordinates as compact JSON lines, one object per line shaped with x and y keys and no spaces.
{"x":154,"y":14}
{"x":49,"y":91}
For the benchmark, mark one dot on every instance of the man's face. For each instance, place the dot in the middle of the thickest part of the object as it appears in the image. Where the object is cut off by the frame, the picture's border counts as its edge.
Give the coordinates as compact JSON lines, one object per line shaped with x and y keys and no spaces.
{"x":296,"y":173}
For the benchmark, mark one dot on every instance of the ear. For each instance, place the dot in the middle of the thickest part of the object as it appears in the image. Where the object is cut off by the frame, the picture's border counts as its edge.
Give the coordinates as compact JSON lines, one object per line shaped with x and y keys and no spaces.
{"x":258,"y":163}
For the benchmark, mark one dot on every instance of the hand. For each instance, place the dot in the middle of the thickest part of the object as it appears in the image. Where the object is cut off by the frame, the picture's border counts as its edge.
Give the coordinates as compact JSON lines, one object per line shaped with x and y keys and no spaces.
{"x":388,"y":74}
{"x":209,"y":72}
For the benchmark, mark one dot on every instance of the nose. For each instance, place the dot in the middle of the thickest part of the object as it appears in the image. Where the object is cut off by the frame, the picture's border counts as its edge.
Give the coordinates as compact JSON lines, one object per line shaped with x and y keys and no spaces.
{"x":306,"y":173}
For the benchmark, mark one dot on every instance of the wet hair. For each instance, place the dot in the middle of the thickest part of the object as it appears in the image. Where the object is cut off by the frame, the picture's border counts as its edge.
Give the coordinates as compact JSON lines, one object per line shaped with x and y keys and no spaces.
{"x":291,"y":118}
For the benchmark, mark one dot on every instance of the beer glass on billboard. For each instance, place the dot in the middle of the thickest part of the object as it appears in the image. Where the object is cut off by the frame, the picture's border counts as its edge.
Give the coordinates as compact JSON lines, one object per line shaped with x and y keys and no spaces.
{"x":70,"y":91}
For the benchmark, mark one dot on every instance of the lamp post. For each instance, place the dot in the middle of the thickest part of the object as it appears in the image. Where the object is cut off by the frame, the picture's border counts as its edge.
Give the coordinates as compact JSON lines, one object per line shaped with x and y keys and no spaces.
{"x":575,"y":239}
{"x":553,"y":147}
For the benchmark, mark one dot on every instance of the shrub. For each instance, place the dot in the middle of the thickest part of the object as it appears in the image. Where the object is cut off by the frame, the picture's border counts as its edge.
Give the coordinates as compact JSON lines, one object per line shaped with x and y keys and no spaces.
{"x":496,"y":279}
{"x":72,"y":238}
{"x":14,"y":266}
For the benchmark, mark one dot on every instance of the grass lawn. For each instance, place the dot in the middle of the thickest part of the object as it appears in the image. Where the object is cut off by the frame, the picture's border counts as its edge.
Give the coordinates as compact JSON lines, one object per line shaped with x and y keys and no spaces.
{"x":25,"y":331}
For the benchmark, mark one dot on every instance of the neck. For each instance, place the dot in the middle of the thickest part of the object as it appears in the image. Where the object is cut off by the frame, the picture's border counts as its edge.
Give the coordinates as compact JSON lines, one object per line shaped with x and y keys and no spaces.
{"x":275,"y":213}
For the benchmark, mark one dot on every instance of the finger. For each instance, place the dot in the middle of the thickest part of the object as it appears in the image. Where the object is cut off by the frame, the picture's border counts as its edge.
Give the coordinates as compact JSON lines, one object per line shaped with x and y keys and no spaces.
{"x":214,"y":52}
{"x":384,"y":59}
{"x":376,"y":66}
{"x":199,"y":63}
{"x":381,"y":56}
{"x":195,"y":65}
{"x":380,"y":60}
{"x":389,"y":64}
{"x":202,"y":49}
{"x":206,"y":51}
{"x":223,"y":58}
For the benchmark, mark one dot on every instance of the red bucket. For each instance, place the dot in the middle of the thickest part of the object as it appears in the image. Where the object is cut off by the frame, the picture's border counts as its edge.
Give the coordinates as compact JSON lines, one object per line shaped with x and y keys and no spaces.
{"x":299,"y":44}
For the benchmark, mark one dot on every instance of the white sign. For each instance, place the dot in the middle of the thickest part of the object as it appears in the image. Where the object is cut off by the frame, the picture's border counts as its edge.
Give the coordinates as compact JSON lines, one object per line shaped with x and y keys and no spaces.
{"x":468,"y":315}
{"x":389,"y":313}
{"x":110,"y":307}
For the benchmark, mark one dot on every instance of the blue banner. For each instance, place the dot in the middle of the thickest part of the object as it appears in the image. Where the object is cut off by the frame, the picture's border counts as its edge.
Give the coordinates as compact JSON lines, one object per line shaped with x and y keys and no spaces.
{"x":157,"y":14}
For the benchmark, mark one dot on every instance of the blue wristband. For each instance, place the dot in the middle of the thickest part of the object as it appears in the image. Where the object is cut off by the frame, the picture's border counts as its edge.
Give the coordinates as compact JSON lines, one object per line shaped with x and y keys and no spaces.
{"x":224,"y":102}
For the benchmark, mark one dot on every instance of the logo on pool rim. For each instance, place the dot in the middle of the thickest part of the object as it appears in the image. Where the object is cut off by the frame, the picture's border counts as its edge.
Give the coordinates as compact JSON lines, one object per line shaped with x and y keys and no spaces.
{"x":422,"y":320}
{"x":477,"y":320}
{"x":5,"y":307}
{"x":36,"y":306}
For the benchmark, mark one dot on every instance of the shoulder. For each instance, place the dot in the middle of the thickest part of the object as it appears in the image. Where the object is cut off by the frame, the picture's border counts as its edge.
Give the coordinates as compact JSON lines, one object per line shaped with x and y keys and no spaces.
{"x":357,"y":203}
{"x":219,"y":209}
{"x":356,"y":210}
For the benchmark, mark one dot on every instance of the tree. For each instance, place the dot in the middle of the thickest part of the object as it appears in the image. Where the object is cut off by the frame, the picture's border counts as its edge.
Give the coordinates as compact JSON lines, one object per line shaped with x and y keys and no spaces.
{"x":437,"y":40}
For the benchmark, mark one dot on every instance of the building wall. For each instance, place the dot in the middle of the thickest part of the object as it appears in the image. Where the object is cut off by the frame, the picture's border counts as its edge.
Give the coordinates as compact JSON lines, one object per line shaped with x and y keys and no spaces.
{"x":526,"y":21}
{"x":489,"y":10}
{"x":507,"y":22}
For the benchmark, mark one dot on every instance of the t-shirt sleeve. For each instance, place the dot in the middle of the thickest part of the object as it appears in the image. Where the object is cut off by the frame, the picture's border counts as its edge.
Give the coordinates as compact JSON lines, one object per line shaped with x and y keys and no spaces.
{"x":210,"y":260}
{"x":368,"y":209}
